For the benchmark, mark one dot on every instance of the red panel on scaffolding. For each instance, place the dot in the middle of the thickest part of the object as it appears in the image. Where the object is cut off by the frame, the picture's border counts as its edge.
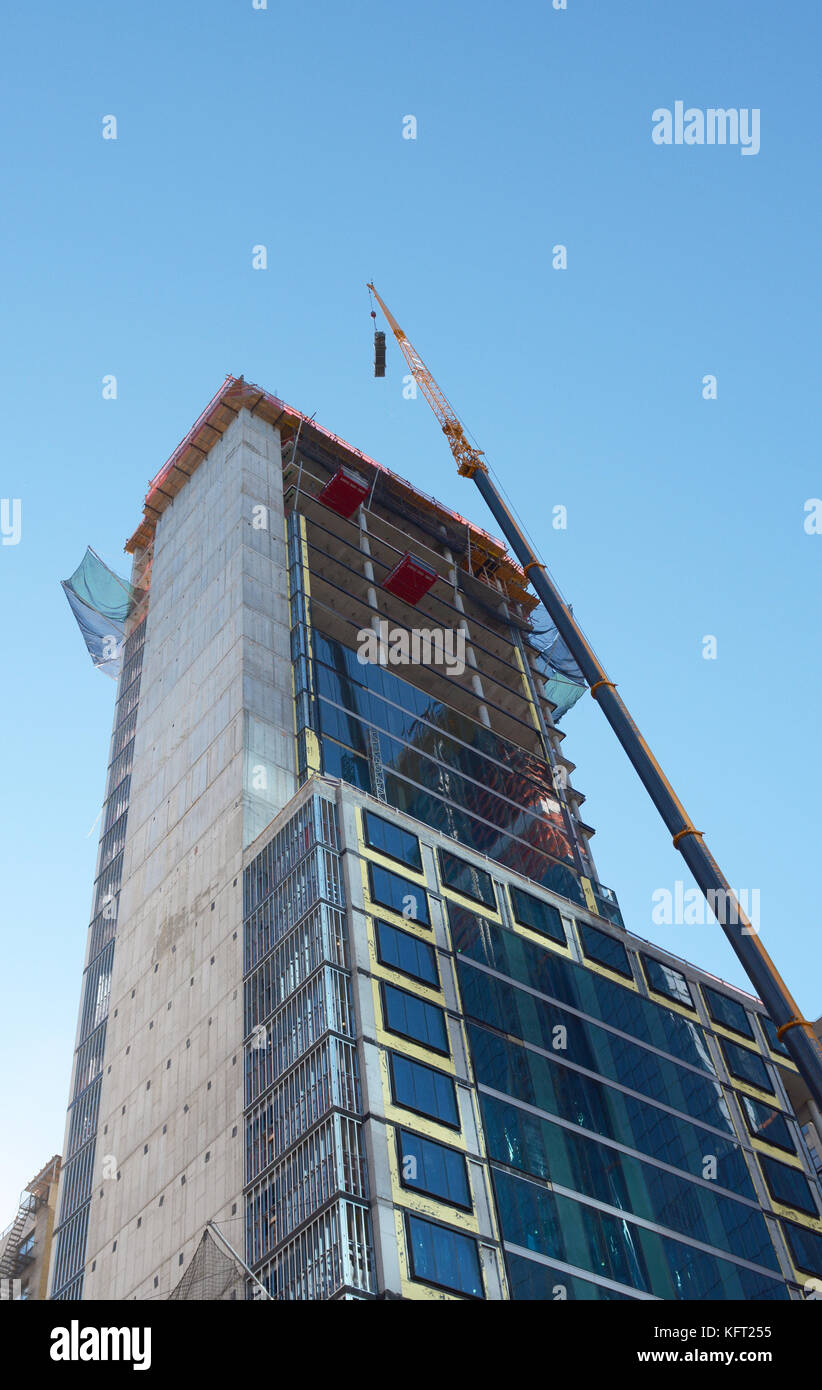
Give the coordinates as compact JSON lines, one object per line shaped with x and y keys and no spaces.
{"x":344,"y":492}
{"x":410,"y":579}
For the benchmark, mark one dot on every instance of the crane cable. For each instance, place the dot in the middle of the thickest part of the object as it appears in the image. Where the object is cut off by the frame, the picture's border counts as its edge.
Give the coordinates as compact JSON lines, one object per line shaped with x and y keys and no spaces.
{"x":373,"y":310}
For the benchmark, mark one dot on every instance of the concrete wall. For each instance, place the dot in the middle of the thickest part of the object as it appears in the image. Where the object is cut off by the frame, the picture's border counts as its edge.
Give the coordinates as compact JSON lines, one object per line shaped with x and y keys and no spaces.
{"x":215,"y":703}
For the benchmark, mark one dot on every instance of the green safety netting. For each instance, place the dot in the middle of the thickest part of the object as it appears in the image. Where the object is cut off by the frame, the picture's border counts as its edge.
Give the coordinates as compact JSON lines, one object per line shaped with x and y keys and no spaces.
{"x":563,"y":693}
{"x":564,"y":682}
{"x":100,"y":601}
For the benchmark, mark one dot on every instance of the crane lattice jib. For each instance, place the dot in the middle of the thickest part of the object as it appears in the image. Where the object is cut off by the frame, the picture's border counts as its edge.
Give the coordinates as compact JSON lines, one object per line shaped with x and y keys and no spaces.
{"x":468,"y":458}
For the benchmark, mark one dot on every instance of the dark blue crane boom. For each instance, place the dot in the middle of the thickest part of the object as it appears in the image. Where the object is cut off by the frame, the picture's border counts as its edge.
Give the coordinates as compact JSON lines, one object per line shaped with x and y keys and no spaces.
{"x":796,"y":1032}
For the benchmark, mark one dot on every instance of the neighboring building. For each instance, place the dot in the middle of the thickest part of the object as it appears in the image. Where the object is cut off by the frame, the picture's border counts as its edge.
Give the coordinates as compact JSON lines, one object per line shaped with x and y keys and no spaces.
{"x":353,"y":990}
{"x":25,"y":1245}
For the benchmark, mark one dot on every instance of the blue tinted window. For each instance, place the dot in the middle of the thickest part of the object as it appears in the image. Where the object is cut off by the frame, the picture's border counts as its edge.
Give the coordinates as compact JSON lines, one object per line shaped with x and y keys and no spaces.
{"x":423,"y":1089}
{"x":443,"y":768}
{"x":775,"y":1043}
{"x":414,"y":1018}
{"x":604,"y":949}
{"x":588,"y":1045}
{"x":421,"y":738}
{"x":548,"y":1085}
{"x":467,"y":879}
{"x":406,"y":711}
{"x":607,"y":905}
{"x":805,"y":1247}
{"x":349,"y":767}
{"x":434,"y":1169}
{"x":391,"y":890}
{"x":766,"y":1123}
{"x":788,"y":1185}
{"x":443,"y":1257}
{"x":538,"y":915}
{"x":540,"y":1283}
{"x":406,"y":953}
{"x":663,"y":979}
{"x":581,"y":988}
{"x":727,"y":1011}
{"x":576,"y":1234}
{"x":392,"y":840}
{"x":746,"y":1065}
{"x":571,"y":1160}
{"x":456,"y":818}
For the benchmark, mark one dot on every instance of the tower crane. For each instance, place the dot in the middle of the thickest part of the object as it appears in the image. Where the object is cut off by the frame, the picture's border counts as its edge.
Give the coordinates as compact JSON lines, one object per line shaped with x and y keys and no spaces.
{"x":796,"y":1031}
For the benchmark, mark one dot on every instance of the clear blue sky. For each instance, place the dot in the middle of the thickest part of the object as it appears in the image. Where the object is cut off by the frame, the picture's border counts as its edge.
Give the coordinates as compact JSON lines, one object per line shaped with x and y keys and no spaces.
{"x":283,"y":127}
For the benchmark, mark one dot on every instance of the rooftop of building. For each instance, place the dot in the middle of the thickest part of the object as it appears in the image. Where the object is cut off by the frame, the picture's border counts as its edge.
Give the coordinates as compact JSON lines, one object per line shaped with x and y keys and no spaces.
{"x":237,"y":394}
{"x":47,"y":1175}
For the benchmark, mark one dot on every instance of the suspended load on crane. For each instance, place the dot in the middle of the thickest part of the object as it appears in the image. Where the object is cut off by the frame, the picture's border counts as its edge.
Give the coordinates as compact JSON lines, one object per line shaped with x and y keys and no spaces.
{"x":379,"y":353}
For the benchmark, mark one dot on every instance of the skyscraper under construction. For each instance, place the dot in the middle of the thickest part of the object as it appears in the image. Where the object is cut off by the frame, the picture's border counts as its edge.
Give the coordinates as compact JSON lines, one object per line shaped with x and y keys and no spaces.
{"x":353,"y":991}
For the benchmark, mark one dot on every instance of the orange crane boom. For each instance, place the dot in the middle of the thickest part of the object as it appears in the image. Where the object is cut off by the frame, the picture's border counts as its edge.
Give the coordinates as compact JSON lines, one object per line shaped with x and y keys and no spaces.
{"x":468,"y":458}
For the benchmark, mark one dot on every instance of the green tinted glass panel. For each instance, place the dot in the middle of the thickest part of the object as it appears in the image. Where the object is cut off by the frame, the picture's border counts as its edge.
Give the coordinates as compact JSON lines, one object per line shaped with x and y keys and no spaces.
{"x":554,"y":975}
{"x":560,"y":1227}
{"x":546,"y":1083}
{"x":567,"y":1159}
{"x":546,"y":1283}
{"x":502,"y":1006}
